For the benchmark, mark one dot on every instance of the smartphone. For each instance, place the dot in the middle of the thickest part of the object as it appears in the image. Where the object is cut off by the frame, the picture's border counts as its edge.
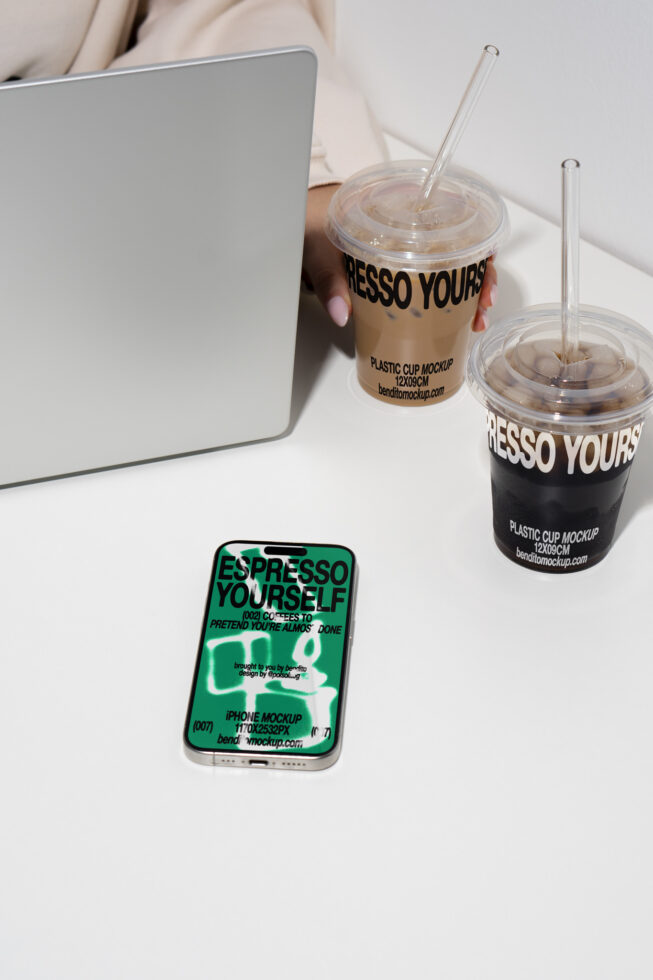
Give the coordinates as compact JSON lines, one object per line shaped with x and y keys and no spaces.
{"x":271,"y":671}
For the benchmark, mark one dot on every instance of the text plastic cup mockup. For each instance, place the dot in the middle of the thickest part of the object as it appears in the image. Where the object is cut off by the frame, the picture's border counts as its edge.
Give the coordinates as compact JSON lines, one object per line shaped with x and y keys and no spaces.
{"x":561,"y":438}
{"x":414,"y":276}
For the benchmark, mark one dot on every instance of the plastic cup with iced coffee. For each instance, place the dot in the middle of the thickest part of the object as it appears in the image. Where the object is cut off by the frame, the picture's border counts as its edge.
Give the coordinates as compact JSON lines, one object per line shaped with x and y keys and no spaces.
{"x":416,"y":240}
{"x":566,"y":390}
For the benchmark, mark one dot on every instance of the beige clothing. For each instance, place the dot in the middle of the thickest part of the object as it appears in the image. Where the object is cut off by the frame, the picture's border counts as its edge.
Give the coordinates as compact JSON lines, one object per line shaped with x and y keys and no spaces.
{"x":55,"y":37}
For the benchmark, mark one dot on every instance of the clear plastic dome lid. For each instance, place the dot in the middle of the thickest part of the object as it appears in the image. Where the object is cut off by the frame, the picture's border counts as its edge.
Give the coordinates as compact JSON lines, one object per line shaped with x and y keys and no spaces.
{"x":515,"y":367}
{"x":372,"y":216}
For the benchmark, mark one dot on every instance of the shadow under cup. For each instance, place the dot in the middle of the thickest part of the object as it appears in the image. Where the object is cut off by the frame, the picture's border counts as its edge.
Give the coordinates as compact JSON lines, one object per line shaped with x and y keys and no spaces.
{"x":561,"y":439}
{"x":414,"y":277}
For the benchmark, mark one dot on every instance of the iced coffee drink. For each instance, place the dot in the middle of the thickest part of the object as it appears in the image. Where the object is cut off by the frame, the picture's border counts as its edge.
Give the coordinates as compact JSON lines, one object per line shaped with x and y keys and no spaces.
{"x":562,"y":436}
{"x":414,"y":276}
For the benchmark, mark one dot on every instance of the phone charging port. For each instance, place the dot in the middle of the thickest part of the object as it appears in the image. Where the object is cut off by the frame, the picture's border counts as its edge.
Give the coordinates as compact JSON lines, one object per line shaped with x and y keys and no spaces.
{"x":258,"y":762}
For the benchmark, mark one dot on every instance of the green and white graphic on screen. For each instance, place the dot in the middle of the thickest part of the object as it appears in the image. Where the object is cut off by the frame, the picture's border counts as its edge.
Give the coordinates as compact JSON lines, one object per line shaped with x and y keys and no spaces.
{"x":271,"y":662}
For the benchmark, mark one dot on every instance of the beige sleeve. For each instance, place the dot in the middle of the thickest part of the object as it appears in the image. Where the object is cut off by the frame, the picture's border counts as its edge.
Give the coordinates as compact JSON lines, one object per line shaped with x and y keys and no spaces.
{"x":39,"y":39}
{"x":345,"y":136}
{"x":107,"y":35}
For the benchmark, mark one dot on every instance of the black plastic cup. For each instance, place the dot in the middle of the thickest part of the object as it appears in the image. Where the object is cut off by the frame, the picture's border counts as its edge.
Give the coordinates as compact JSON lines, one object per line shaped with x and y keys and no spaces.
{"x":562,"y":438}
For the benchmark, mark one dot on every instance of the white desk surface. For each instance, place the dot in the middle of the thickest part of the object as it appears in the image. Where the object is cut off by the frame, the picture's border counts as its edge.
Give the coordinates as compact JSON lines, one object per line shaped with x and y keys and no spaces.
{"x":491,"y":813}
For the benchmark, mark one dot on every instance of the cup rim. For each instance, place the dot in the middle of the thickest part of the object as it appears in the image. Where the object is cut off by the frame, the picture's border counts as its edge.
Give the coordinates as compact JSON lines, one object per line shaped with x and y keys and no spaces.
{"x":409,"y":259}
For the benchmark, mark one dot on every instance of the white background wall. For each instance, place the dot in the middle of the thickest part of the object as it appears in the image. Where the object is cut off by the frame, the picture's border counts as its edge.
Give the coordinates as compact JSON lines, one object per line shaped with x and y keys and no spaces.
{"x":574,"y":79}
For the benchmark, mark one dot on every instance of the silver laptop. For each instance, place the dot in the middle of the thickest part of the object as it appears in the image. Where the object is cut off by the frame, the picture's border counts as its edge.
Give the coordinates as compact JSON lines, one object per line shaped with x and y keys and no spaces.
{"x":152,"y":227}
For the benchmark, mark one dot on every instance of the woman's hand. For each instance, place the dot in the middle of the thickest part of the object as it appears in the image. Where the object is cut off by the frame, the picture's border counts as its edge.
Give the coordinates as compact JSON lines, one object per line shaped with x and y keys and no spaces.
{"x":323,"y":268}
{"x":487,"y":298}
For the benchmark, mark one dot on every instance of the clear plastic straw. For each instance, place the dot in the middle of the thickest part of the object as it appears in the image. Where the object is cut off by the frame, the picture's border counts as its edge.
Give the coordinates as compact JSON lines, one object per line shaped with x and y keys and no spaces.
{"x":570,"y":248}
{"x":458,"y":124}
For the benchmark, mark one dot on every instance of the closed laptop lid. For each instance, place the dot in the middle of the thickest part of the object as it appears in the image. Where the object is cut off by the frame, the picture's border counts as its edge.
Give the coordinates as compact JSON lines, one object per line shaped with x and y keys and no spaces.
{"x":150,"y":259}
